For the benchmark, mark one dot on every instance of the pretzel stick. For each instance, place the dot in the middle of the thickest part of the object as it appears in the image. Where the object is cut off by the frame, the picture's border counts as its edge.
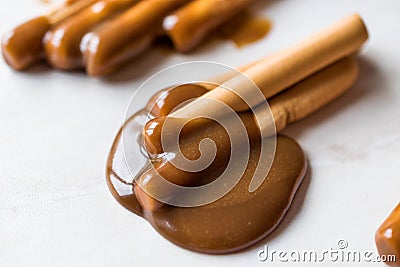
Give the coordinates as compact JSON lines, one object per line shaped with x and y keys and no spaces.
{"x":126,"y":36}
{"x":296,"y":103}
{"x":23,"y":46}
{"x":188,"y":26}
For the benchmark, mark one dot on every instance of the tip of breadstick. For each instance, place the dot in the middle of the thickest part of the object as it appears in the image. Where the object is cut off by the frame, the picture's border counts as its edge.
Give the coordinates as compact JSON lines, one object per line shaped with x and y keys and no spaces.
{"x":358,"y":19}
{"x":351,"y":66}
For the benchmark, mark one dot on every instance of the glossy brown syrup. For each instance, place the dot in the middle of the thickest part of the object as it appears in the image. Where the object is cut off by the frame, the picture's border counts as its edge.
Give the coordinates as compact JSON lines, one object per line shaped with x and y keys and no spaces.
{"x":235,"y":221}
{"x":246,"y":29}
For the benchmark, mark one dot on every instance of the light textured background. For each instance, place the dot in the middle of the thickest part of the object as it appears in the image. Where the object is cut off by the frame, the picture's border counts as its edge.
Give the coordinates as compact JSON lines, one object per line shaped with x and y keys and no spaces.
{"x":56,"y":129}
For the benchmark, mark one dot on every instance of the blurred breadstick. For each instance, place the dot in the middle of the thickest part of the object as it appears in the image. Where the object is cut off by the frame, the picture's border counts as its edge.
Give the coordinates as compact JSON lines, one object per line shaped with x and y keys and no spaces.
{"x":191,"y":24}
{"x":126,"y":36}
{"x":23,"y":46}
{"x":62,"y":43}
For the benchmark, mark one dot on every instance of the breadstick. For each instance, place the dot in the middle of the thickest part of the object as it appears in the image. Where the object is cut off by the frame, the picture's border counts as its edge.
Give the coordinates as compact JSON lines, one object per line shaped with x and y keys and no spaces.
{"x":192,"y":23}
{"x":23,"y":46}
{"x":285,"y":68}
{"x":62,"y":43}
{"x":387,"y":238}
{"x":126,"y":36}
{"x":296,"y":103}
{"x":313,"y":93}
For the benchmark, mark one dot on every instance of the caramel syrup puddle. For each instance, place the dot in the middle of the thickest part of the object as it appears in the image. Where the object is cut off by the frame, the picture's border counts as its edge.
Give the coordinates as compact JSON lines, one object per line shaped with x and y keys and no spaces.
{"x":237,"y":220}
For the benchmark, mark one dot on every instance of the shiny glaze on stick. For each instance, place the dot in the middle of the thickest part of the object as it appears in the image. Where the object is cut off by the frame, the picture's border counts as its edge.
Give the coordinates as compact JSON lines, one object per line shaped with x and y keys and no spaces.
{"x":23,"y":47}
{"x":126,"y":36}
{"x":191,"y":24}
{"x":62,"y":43}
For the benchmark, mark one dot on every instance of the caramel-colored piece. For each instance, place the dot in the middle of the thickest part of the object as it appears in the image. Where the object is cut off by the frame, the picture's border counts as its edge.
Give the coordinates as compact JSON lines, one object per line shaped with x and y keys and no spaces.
{"x":126,"y":36}
{"x":62,"y":43}
{"x":191,"y":24}
{"x":23,"y":46}
{"x":387,"y":238}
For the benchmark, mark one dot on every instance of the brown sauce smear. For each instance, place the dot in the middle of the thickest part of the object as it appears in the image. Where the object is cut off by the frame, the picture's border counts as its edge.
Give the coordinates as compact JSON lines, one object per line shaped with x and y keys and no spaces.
{"x":235,"y":221}
{"x":246,"y":29}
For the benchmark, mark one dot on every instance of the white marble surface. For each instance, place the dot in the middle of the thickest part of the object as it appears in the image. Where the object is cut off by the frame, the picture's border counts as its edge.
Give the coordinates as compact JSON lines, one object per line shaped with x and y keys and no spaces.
{"x":56,"y":129}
